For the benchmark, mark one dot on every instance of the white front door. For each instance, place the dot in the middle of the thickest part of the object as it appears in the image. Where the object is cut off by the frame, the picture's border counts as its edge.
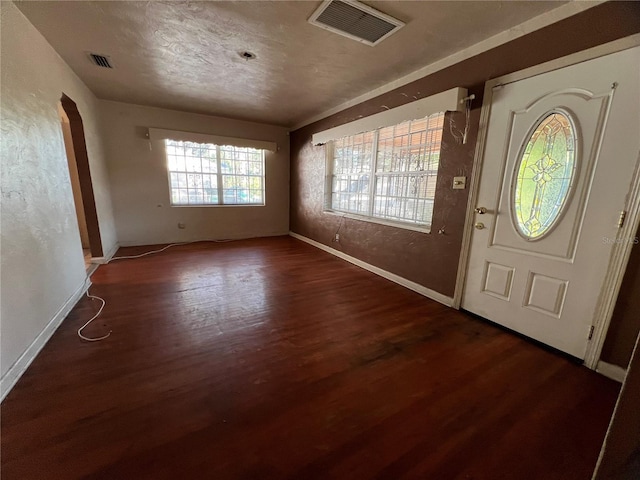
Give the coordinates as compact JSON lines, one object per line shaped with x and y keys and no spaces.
{"x":560,"y":152}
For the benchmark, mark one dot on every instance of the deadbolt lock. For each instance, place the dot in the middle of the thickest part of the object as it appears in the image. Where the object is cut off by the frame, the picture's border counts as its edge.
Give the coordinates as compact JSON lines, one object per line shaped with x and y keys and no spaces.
{"x":479,"y":225}
{"x":481,"y":210}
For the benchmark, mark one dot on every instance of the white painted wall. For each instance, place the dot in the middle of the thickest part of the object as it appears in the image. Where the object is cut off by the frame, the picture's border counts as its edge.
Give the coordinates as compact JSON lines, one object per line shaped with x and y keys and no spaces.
{"x":140,"y":188}
{"x":42,"y":262}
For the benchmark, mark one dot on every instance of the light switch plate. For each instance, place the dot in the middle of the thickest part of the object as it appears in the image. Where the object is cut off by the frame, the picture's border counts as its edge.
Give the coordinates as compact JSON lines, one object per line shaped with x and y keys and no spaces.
{"x":459,"y":183}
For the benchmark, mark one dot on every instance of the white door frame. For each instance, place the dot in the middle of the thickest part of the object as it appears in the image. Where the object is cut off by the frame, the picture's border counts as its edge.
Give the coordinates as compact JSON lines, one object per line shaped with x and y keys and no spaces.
{"x":621,"y":250}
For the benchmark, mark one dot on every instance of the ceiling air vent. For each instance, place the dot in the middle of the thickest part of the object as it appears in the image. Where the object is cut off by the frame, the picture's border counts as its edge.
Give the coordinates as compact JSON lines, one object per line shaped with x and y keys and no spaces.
{"x":355,"y":20}
{"x":100,"y":60}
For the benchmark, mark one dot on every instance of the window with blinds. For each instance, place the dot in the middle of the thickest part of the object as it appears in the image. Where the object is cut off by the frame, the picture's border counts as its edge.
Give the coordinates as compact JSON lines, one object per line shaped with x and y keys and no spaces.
{"x":389,"y":173}
{"x":208,"y":174}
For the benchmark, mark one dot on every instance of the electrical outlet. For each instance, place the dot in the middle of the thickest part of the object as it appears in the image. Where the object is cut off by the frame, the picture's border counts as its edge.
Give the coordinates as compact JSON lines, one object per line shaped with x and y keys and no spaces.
{"x":336,"y":238}
{"x":182,"y":226}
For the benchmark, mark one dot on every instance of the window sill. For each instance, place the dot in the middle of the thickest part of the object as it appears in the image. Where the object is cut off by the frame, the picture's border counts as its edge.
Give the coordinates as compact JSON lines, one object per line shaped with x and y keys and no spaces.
{"x":380,"y":221}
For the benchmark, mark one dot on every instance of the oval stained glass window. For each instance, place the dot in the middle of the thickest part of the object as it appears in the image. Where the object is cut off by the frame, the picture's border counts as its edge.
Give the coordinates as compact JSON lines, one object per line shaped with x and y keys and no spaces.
{"x":544,"y":176}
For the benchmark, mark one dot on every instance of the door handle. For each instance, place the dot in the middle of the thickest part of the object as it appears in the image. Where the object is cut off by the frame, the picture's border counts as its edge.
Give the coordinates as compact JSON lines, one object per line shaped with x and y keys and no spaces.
{"x":479,"y":225}
{"x":481,"y":210}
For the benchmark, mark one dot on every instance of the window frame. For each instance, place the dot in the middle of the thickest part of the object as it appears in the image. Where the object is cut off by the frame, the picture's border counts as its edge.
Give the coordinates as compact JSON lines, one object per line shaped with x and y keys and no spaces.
{"x":218,"y":176}
{"x":373,"y":175}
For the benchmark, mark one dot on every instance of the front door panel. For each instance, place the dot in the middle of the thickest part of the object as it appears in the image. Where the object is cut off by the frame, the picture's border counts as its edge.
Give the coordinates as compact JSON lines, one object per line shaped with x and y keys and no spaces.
{"x":561,"y":149}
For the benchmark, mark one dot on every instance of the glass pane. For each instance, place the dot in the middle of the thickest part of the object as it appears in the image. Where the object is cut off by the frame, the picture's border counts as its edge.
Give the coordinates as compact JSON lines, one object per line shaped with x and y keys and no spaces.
{"x":210,"y":195}
{"x":182,"y":180}
{"x":352,"y":162}
{"x":545,"y":174}
{"x":195,"y":197}
{"x":353,"y":154}
{"x":412,"y":146}
{"x":226,"y":155}
{"x":194,"y":180}
{"x":193,"y":173}
{"x":406,"y":168}
{"x":193,"y":164}
{"x":255,"y":168}
{"x":255,"y":183}
{"x":256,"y":196}
{"x":407,"y":198}
{"x":209,"y":165}
{"x":173,"y":180}
{"x":171,"y":162}
{"x":208,"y":181}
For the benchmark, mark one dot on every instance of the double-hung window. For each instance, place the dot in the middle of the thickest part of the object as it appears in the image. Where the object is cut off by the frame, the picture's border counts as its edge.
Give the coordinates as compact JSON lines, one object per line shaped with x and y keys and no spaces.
{"x":387,"y":174}
{"x":209,"y":174}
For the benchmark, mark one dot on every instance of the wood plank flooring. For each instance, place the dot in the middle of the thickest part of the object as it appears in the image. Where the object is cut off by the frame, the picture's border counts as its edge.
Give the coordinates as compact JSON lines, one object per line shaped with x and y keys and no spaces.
{"x":270,"y":359}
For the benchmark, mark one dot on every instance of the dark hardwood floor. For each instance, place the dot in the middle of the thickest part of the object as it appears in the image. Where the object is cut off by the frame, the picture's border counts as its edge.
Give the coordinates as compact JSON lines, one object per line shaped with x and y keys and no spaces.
{"x":270,"y":359}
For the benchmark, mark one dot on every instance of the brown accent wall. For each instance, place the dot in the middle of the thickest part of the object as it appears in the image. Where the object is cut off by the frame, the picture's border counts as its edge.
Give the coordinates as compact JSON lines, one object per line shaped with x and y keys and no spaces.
{"x":431,"y":259}
{"x":625,"y":323}
{"x":427,"y":259}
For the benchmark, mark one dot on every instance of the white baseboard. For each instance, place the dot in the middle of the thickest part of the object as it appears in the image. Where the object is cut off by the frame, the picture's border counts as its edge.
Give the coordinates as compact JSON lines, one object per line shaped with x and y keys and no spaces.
{"x":614,"y":372}
{"x":106,"y":258}
{"x":16,"y":371}
{"x":427,"y":292}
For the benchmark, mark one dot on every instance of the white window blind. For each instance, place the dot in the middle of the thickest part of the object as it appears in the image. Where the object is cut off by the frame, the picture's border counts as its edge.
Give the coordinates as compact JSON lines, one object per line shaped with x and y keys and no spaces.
{"x":388,"y":174}
{"x":448,"y":101}
{"x":208,"y":174}
{"x":163,"y":134}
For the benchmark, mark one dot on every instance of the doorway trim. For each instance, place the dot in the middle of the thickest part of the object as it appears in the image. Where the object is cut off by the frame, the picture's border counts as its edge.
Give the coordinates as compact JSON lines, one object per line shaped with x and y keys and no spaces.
{"x":84,"y":174}
{"x":621,"y":250}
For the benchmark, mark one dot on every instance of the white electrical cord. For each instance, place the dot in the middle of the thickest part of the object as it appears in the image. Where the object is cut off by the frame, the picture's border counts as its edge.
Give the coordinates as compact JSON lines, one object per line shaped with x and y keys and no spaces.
{"x":339,"y":227}
{"x":127,"y":257}
{"x":96,"y":339}
{"x":461,"y":136}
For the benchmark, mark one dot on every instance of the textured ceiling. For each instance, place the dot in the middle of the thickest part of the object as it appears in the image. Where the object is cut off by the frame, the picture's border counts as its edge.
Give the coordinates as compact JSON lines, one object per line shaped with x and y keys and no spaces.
{"x":185,"y":55}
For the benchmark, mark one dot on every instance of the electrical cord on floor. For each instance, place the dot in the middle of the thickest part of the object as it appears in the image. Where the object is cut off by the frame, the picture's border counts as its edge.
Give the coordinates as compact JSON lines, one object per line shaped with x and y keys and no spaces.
{"x":129,"y":257}
{"x":96,"y":339}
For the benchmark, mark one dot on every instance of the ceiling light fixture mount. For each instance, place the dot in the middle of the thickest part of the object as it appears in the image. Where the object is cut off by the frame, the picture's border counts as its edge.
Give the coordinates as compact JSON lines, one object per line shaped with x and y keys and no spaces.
{"x":248,"y":55}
